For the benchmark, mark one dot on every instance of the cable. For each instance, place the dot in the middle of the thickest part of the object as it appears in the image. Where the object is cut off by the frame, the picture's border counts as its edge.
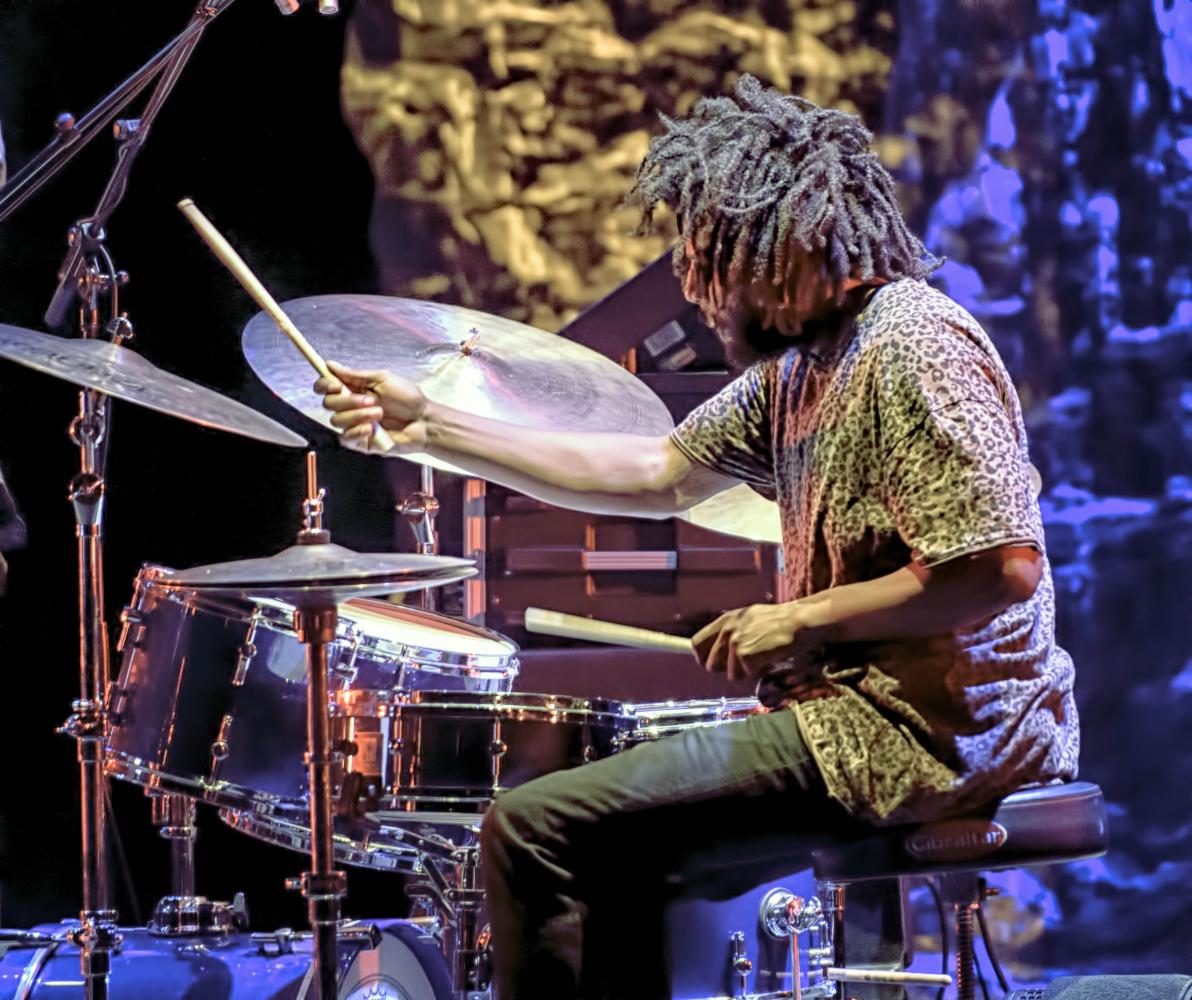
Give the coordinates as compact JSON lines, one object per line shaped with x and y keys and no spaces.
{"x":980,"y":976}
{"x":989,"y":950}
{"x":114,"y":838}
{"x":939,"y":906}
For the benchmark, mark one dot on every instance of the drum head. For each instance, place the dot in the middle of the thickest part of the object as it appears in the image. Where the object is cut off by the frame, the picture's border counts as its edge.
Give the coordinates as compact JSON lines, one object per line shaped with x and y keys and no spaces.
{"x":427,"y":638}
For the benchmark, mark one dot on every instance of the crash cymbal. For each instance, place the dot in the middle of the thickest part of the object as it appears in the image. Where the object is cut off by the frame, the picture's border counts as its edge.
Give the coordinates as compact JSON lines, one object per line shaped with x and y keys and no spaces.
{"x":462,"y":358}
{"x":740,"y":512}
{"x":326,"y":570}
{"x":123,"y":374}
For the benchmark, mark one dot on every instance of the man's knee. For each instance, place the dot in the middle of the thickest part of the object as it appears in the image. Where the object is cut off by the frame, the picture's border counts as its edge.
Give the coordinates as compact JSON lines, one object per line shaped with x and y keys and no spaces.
{"x":515,"y":816}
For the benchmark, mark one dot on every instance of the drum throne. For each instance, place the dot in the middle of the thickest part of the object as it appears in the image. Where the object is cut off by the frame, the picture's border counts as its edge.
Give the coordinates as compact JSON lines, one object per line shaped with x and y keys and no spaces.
{"x":1036,"y":826}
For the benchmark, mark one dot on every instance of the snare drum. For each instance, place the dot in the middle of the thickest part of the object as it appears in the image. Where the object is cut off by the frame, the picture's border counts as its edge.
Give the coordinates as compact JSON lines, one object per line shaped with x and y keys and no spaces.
{"x":211,"y":697}
{"x":653,"y":720}
{"x":407,"y":963}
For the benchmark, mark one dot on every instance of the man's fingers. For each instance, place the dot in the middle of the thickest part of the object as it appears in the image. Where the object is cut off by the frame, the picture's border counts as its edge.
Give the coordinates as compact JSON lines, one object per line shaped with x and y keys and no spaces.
{"x":342,"y":401}
{"x":328,"y":384}
{"x":703,"y":640}
{"x":717,"y":659}
{"x":351,"y":418}
{"x":735,"y":669}
{"x":358,"y":378}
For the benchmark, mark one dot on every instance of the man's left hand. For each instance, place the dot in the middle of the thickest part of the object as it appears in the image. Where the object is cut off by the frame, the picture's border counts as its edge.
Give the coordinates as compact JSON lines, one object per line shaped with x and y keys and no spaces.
{"x":744,"y":642}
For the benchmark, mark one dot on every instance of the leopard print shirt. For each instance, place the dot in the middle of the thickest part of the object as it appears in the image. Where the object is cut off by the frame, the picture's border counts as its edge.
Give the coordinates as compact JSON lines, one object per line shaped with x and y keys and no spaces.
{"x":904,"y":441}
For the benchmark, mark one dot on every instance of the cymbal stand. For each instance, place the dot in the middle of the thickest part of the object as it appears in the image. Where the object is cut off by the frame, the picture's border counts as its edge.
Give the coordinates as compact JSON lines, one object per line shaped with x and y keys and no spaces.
{"x":315,"y":620}
{"x":72,"y":135}
{"x":89,"y":275}
{"x":419,"y":510}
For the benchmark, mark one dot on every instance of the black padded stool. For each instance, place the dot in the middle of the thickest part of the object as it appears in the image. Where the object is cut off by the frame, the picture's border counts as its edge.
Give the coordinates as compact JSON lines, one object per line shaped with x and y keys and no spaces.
{"x":1036,"y":826}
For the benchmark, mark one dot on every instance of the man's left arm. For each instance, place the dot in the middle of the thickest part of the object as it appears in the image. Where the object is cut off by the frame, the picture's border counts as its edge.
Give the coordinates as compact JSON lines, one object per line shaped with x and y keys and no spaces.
{"x":913,"y":601}
{"x":953,"y":474}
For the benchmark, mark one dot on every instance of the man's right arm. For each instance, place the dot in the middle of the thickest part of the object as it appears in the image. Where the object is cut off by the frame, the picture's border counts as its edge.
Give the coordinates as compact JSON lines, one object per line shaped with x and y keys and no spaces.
{"x":601,"y":473}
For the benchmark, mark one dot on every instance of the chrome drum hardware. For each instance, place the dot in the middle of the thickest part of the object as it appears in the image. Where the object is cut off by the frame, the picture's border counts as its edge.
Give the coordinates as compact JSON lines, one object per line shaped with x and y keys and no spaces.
{"x":653,"y":720}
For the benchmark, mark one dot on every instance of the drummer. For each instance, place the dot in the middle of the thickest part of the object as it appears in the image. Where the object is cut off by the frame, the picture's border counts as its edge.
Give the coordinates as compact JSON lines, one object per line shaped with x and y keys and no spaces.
{"x":914,"y":648}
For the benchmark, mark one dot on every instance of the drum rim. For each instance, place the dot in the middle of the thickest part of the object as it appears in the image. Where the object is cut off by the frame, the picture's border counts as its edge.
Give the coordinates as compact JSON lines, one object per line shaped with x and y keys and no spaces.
{"x":137,"y":771}
{"x":693,"y":708}
{"x":278,"y":831}
{"x":428,"y":658}
{"x":508,"y":702}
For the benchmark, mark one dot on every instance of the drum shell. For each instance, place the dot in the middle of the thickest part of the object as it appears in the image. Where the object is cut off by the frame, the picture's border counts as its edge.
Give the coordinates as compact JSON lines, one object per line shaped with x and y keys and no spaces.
{"x":454,"y":751}
{"x":406,"y":964}
{"x":211,"y":699}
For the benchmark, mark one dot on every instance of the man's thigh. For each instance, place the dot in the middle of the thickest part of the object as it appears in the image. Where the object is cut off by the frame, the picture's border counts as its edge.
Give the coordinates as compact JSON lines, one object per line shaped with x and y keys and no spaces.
{"x":720,"y":804}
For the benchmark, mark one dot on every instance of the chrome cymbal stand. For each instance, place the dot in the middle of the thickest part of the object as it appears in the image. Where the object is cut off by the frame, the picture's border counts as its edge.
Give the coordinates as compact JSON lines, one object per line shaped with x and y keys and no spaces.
{"x":419,"y":510}
{"x":96,"y":935}
{"x":88,"y":274}
{"x":315,"y":620}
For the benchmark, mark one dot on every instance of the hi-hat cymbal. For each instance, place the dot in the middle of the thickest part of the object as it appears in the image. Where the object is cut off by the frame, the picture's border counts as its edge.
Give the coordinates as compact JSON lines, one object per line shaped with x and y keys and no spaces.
{"x":483,"y":364}
{"x":123,"y":374}
{"x":738,"y":511}
{"x":326,"y":570}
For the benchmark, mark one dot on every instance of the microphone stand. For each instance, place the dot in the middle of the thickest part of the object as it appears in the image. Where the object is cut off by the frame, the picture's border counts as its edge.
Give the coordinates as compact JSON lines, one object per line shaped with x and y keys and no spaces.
{"x":90,"y":274}
{"x":73,"y":135}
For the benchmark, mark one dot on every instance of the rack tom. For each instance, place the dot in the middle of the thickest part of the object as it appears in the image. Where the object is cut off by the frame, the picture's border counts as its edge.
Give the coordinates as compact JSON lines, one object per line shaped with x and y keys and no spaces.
{"x":211,"y":697}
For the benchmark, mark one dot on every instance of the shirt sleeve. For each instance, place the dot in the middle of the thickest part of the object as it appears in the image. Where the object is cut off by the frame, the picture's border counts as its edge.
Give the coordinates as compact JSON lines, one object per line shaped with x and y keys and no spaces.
{"x":730,"y":433}
{"x":954,"y":470}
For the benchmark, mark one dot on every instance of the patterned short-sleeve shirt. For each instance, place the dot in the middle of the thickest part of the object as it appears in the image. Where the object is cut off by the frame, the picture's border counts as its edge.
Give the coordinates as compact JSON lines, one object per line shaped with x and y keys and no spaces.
{"x":904,"y":441}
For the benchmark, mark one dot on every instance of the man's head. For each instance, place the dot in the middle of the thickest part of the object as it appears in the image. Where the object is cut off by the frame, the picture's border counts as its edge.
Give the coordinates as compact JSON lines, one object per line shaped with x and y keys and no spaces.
{"x":782,"y":210}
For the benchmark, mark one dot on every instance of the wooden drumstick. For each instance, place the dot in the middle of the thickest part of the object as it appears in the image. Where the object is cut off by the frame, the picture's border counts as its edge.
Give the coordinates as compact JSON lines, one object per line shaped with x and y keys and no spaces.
{"x":260,"y":294}
{"x":574,"y":627}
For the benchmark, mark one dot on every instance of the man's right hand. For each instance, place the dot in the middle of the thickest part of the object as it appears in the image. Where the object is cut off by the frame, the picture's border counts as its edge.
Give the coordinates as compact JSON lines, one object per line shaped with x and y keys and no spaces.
{"x":360,"y":399}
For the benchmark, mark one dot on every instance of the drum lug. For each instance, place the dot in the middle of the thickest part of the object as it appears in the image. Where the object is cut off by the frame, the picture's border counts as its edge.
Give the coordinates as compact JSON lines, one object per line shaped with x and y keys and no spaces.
{"x":498,"y":748}
{"x":114,"y":699}
{"x":742,"y":964}
{"x":345,"y":666}
{"x":132,"y":629}
{"x":219,"y":746}
{"x":246,"y":652}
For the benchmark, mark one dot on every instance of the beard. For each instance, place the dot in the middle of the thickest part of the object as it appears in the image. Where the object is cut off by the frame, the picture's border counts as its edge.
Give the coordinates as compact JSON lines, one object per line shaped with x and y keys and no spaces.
{"x":747,"y":340}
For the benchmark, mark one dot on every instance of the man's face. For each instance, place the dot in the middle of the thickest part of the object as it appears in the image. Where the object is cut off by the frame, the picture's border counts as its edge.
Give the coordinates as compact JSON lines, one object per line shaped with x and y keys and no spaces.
{"x":761,"y":318}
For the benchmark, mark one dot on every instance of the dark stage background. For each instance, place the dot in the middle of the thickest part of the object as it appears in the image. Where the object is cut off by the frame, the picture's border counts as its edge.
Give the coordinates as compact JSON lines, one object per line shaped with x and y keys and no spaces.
{"x":1045,"y":147}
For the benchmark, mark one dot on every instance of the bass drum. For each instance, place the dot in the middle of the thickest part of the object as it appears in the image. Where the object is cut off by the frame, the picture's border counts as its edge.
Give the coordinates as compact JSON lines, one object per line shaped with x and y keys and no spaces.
{"x":406,"y":965}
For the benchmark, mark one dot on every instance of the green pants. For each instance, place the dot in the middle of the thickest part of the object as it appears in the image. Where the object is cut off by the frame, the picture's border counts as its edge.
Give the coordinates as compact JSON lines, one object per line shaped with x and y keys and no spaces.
{"x":579,"y":864}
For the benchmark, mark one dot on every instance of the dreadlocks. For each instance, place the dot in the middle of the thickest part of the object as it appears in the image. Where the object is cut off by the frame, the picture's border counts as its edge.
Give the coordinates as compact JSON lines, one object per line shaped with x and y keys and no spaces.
{"x":755,"y":177}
